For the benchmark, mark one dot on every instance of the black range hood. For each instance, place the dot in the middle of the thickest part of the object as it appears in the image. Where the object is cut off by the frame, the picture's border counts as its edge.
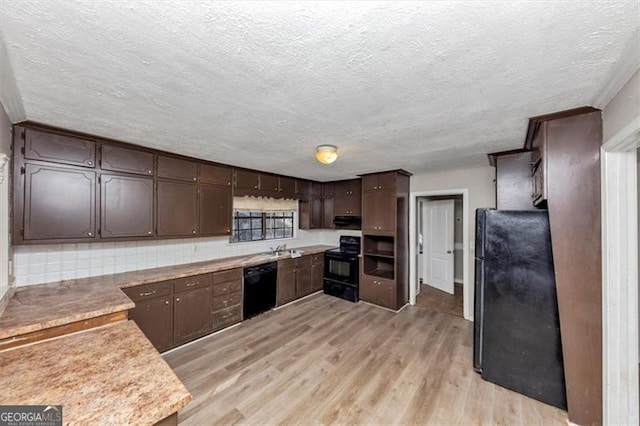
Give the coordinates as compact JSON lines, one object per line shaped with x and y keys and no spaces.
{"x":347,"y":221}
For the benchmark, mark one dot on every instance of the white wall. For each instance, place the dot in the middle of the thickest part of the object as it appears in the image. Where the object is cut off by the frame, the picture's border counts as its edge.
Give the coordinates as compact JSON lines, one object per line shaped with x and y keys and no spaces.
{"x":623,"y":108}
{"x":481,"y":187}
{"x":5,"y":251}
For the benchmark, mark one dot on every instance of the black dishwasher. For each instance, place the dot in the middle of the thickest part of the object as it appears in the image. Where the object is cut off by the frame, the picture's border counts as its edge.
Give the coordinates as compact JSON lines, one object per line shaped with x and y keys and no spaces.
{"x":259,"y":288}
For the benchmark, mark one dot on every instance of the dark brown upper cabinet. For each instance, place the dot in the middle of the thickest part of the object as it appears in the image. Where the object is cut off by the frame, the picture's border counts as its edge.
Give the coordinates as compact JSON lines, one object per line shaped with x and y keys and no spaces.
{"x":539,"y":191}
{"x":58,"y":148}
{"x":379,"y":181}
{"x":287,"y":186}
{"x":216,"y":175}
{"x":177,"y":208}
{"x":176,"y":168}
{"x":126,"y":206}
{"x":59,"y":203}
{"x":246,"y":182}
{"x":303,"y":189}
{"x":348,"y":198}
{"x":379,"y":211}
{"x":216,"y":209}
{"x":121,"y":159}
{"x":328,"y":189}
{"x":327,"y":213}
{"x":269,"y":184}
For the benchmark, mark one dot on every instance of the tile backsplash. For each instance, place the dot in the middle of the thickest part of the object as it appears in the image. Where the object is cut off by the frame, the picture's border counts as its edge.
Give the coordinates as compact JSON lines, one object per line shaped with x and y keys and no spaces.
{"x":56,"y":262}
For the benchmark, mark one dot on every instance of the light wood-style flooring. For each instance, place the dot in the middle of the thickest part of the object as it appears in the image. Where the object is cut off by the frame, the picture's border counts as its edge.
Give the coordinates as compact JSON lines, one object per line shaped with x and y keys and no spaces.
{"x":323,"y":360}
{"x":441,"y":301}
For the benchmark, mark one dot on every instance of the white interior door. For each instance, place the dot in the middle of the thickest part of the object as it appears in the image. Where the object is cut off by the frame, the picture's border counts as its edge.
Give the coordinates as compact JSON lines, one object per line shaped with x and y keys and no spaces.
{"x":438,"y":228}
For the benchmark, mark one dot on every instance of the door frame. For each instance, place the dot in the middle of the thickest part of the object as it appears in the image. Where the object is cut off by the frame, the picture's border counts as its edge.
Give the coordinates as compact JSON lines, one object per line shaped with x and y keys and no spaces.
{"x":413,"y":245}
{"x":620,"y":276}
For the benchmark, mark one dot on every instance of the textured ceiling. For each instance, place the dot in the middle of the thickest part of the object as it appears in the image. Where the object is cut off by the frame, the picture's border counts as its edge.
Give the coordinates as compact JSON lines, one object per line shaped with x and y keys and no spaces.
{"x":414,"y":85}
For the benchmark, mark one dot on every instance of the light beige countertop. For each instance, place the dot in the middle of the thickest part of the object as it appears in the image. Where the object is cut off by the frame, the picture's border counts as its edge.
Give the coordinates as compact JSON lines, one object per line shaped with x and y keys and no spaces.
{"x":105,"y":375}
{"x":42,"y":306}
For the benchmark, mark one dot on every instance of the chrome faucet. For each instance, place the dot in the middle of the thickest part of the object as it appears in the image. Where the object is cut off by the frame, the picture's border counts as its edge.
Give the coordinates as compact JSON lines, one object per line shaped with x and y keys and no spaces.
{"x":278,"y":249}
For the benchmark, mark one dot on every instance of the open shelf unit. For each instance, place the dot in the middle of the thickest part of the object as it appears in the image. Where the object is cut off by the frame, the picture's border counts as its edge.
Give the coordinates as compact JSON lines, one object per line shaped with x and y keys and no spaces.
{"x":379,"y":256}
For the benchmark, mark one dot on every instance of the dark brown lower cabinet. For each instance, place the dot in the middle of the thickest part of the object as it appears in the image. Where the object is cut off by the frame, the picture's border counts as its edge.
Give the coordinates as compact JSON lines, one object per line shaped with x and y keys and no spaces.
{"x":296,"y":279}
{"x":192,"y":312}
{"x":126,"y":207}
{"x":216,"y":209}
{"x":317,"y":272}
{"x":153,"y":312}
{"x":59,"y":203}
{"x":177,"y":212}
{"x":303,"y":280}
{"x":378,"y":291}
{"x":286,"y":282}
{"x":227,"y":298}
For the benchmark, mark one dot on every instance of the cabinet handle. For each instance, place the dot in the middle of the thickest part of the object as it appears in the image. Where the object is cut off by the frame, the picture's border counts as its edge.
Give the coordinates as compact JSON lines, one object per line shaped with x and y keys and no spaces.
{"x":195,"y":179}
{"x":192,"y":284}
{"x":177,"y":299}
{"x":193,"y":232}
{"x":166,"y":302}
{"x":255,"y":186}
{"x":228,"y":183}
{"x":149,"y":172}
{"x":149,"y":232}
{"x":90,"y":234}
{"x":148,"y":293}
{"x":90,"y":163}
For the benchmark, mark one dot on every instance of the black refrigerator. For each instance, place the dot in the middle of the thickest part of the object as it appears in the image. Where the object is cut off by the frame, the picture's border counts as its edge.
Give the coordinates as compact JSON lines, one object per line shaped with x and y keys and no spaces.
{"x":517,"y":329}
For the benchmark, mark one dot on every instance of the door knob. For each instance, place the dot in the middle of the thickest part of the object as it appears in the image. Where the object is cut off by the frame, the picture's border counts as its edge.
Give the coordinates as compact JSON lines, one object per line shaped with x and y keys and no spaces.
{"x":448,"y":251}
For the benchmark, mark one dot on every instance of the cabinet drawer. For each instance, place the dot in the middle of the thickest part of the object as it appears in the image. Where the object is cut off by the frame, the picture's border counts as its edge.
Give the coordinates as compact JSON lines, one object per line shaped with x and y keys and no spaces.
{"x":227,"y":300}
{"x":59,"y":148}
{"x":148,"y":291}
{"x":175,"y":168}
{"x":189,"y":283}
{"x":226,"y":317}
{"x":127,"y":160}
{"x":230,"y":275}
{"x":227,"y":287}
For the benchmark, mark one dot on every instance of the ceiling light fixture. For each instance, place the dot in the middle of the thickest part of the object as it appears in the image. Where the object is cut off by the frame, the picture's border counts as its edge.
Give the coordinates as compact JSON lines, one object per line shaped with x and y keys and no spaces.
{"x":326,"y":154}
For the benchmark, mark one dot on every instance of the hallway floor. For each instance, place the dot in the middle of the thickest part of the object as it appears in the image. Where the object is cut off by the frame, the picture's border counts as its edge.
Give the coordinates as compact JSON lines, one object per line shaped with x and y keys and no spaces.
{"x":441,"y":301}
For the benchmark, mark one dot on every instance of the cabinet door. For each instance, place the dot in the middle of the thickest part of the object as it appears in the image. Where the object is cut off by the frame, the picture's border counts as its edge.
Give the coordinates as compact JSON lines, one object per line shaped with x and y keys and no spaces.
{"x":126,"y":208}
{"x":176,"y":168}
{"x":303,"y":281}
{"x":155,"y":319}
{"x":369,"y":183}
{"x":328,"y":189}
{"x":315,"y":220}
{"x":347,"y":205}
{"x":317,"y":276}
{"x":269,"y":183}
{"x":387,"y":181}
{"x":327,"y":213}
{"x":53,"y":147}
{"x":126,"y":160}
{"x":287,"y":185}
{"x":379,"y":211}
{"x":377,"y":291}
{"x":192,"y":317}
{"x":286,"y":285}
{"x":215,"y":175}
{"x":176,"y":203}
{"x":215,"y":210}
{"x":303,"y":189}
{"x":59,"y":203}
{"x":247,"y":180}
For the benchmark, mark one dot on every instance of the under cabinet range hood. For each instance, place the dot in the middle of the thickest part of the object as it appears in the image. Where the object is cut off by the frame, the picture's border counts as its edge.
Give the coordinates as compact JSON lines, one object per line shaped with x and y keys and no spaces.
{"x":347,"y":221}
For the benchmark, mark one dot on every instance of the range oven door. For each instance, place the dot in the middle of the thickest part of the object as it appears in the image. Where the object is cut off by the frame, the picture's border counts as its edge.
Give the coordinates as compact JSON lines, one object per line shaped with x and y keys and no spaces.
{"x":341,"y":267}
